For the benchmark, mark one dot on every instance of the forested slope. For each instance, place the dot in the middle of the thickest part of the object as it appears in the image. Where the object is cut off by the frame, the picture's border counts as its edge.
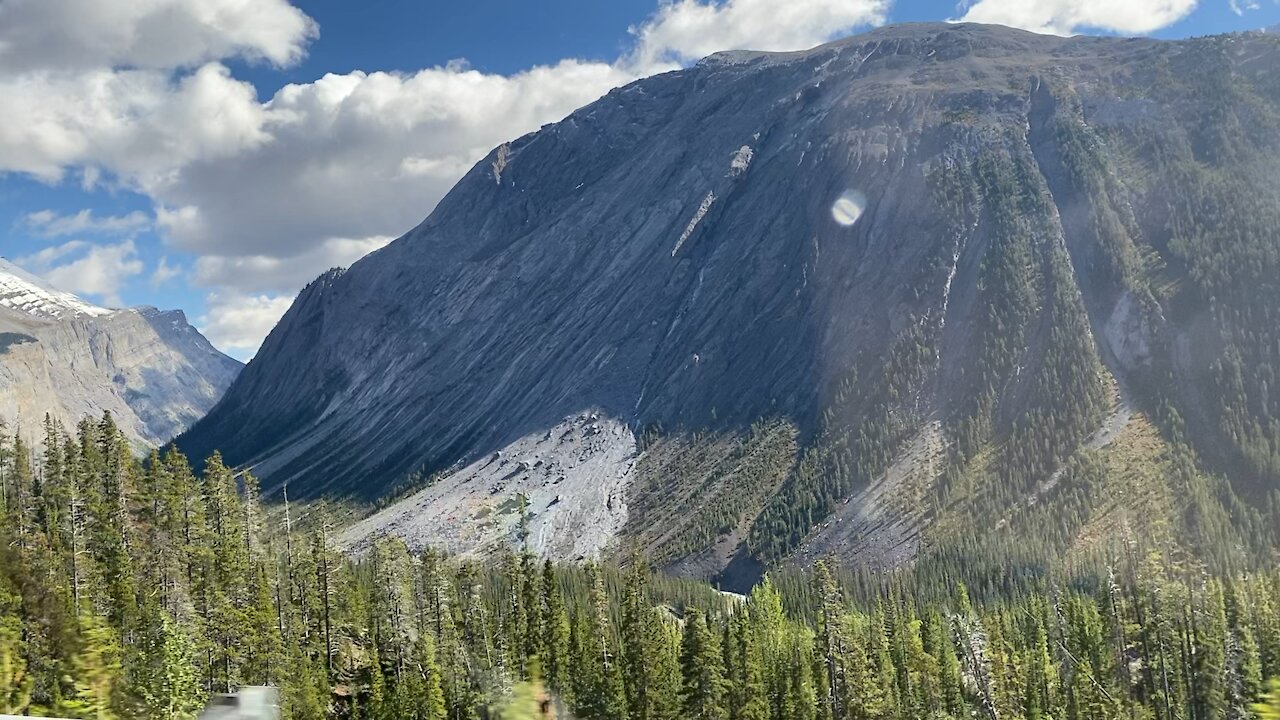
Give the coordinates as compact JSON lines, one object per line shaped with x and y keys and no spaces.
{"x":1046,"y":252}
{"x":129,"y":591}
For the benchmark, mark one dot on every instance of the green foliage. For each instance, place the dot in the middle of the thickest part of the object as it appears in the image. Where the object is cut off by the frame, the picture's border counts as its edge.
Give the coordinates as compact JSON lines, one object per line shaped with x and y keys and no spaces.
{"x":694,"y":491}
{"x":395,"y":634}
{"x":1269,"y":707}
{"x":15,"y":679}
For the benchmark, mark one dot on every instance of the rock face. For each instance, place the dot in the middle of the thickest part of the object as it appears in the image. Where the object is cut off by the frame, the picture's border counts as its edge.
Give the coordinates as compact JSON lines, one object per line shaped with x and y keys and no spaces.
{"x":567,"y":485}
{"x":951,"y":232}
{"x":63,"y":356}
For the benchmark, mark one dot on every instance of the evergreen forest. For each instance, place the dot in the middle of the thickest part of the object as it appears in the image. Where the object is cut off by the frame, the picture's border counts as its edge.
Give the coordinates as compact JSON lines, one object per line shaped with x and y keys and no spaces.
{"x":139,"y":589}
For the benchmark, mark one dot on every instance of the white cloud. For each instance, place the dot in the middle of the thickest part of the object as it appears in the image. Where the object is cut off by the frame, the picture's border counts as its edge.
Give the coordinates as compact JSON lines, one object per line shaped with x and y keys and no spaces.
{"x":237,"y":323}
{"x":688,"y":29}
{"x":360,"y":155}
{"x":99,"y":272}
{"x":141,"y":125}
{"x":164,"y":273}
{"x":249,"y":273}
{"x":87,"y":34}
{"x":41,"y":261}
{"x":1066,"y":17}
{"x":47,"y":223}
{"x":267,"y":194}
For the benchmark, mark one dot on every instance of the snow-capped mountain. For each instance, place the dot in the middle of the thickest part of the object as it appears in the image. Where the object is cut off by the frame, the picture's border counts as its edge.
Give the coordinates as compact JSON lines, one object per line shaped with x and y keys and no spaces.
{"x":64,"y":356}
{"x":22,"y":291}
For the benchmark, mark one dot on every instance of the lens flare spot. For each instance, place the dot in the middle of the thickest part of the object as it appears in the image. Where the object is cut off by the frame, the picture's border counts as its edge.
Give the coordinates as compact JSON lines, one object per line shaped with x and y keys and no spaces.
{"x":848,"y":207}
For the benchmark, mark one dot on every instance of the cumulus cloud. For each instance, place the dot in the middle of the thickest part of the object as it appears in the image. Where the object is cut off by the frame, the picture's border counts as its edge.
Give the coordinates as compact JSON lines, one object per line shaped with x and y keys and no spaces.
{"x":267,"y":193}
{"x":1066,"y":17}
{"x":163,"y":34}
{"x":237,"y":322}
{"x":164,"y":273}
{"x":689,"y":29}
{"x":49,"y":224}
{"x":140,"y":125}
{"x":98,"y":272}
{"x":361,"y":155}
{"x":249,"y":273}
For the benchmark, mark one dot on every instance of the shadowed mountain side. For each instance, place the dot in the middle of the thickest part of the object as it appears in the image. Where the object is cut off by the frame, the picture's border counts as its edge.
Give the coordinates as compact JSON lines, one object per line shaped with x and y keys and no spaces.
{"x":968,"y":230}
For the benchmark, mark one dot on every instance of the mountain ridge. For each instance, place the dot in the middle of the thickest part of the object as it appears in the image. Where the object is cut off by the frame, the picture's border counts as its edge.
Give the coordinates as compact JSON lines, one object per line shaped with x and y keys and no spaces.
{"x":65,"y":357}
{"x":22,"y":291}
{"x":667,"y":260}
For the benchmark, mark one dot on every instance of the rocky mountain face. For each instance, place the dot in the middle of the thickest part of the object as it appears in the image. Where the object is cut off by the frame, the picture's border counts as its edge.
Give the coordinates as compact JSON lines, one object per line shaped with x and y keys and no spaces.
{"x":149,"y":368}
{"x":922,"y":289}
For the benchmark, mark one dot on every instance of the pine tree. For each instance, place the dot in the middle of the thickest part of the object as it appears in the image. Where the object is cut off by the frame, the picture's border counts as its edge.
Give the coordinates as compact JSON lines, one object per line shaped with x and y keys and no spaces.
{"x":230,"y":582}
{"x":667,"y":682}
{"x":880,"y":692}
{"x":531,"y":603}
{"x":112,"y":525}
{"x":555,"y":631}
{"x":801,"y":695}
{"x":951,"y":680}
{"x":1039,"y":695}
{"x":1209,"y":635}
{"x":642,"y":643}
{"x":391,"y":605}
{"x":773,"y":640}
{"x":173,"y":691}
{"x":703,"y":670}
{"x":264,"y":646}
{"x":832,"y":641}
{"x":95,"y":672}
{"x":428,"y":692}
{"x":753,"y":701}
{"x":600,"y":694}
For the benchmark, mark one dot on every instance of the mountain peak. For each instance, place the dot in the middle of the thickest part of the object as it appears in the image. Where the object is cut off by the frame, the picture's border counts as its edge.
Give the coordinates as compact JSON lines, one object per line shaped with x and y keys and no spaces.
{"x":26,"y":293}
{"x":783,"y":304}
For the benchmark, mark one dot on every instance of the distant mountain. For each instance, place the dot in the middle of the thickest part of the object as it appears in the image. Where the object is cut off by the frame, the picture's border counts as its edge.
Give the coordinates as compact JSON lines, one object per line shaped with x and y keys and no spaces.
{"x":932,"y":289}
{"x":61,"y":355}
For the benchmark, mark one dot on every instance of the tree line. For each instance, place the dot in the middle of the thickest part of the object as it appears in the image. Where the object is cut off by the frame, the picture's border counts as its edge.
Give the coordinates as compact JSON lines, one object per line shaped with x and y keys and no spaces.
{"x":138,"y":589}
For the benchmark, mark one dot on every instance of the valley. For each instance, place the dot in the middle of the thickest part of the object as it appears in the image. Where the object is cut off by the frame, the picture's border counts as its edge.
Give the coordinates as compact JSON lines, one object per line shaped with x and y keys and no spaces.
{"x":924,"y":373}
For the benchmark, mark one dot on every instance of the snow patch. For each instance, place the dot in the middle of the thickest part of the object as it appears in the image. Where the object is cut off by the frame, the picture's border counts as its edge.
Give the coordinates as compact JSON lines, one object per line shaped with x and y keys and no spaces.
{"x":1127,"y":334}
{"x":26,"y":293}
{"x":500,"y":162}
{"x":741,"y":161}
{"x":693,"y":222}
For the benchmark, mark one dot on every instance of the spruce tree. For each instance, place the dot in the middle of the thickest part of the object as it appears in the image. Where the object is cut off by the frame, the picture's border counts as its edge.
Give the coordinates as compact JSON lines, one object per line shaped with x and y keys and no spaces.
{"x":555,"y":632}
{"x":702,"y":666}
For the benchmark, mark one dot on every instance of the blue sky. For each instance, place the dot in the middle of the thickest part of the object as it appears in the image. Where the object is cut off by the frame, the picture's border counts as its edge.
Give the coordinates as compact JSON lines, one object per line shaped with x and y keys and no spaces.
{"x":215,"y":163}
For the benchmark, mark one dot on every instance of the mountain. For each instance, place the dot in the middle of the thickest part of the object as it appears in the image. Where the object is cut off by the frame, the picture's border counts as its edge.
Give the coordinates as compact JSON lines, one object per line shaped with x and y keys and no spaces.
{"x":930,"y":289}
{"x":149,"y":368}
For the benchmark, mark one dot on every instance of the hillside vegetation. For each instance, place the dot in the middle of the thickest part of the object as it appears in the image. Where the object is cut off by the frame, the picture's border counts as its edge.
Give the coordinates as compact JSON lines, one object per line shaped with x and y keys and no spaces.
{"x":1061,"y":238}
{"x":131,"y":590}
